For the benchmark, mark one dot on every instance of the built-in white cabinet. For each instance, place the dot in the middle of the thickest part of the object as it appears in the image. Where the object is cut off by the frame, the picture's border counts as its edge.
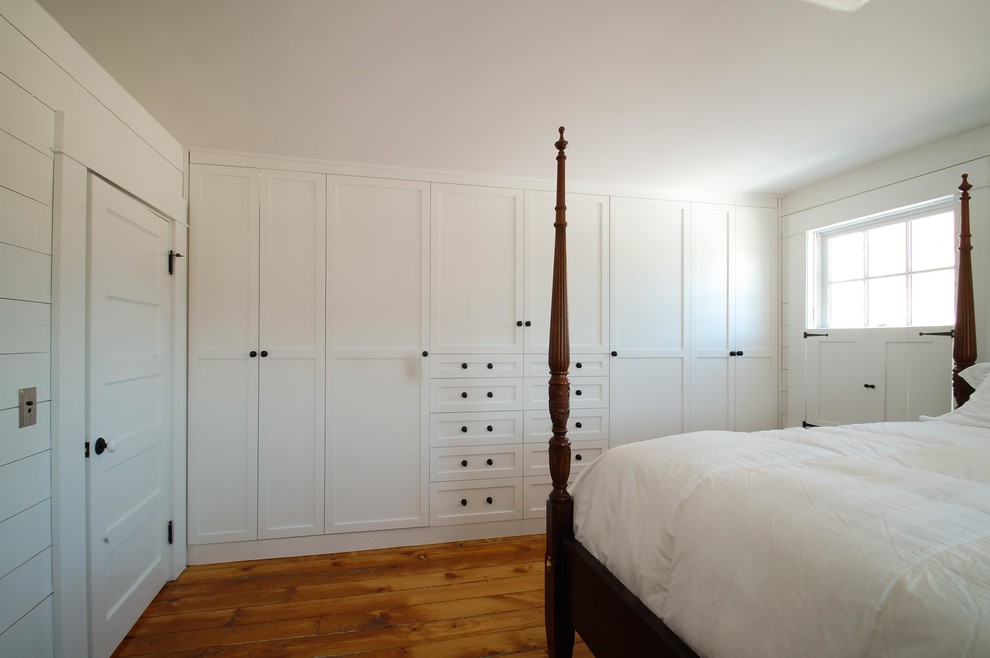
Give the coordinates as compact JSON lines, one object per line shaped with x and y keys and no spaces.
{"x":734,"y":319}
{"x":649,"y":318}
{"x":377,"y":341}
{"x":256,"y":354}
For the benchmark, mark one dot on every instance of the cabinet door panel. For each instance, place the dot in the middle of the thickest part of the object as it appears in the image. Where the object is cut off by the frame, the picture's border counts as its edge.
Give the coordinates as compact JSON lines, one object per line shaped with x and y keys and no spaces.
{"x":754,"y":279}
{"x":377,"y":445}
{"x":477,"y":269}
{"x":647,"y":399}
{"x":223,"y":450}
{"x":587,"y":270}
{"x":378,"y":248}
{"x":648,"y":291}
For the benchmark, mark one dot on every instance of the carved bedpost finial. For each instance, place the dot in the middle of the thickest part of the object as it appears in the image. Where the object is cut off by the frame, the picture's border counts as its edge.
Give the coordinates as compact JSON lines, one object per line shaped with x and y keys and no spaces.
{"x":561,"y":143}
{"x":964,"y":344}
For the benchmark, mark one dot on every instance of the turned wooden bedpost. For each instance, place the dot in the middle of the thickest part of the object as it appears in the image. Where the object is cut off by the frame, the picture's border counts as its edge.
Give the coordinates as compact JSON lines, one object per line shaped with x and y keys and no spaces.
{"x":964,"y":344}
{"x":560,"y":507}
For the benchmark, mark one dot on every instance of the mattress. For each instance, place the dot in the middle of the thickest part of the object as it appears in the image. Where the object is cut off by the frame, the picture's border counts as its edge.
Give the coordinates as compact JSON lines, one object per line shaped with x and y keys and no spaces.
{"x":862,"y":540}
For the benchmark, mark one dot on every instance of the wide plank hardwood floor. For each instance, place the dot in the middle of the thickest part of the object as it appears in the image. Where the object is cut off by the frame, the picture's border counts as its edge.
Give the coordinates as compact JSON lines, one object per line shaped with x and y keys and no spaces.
{"x":456,"y":600}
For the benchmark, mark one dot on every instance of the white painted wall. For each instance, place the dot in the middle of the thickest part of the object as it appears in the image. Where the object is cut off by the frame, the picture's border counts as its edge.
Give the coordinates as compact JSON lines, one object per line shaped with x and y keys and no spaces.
{"x":918,"y":175}
{"x":61,"y":116}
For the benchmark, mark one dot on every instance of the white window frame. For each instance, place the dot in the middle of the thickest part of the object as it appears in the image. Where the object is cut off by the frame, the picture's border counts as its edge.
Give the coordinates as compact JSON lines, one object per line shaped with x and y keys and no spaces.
{"x":818,"y":309}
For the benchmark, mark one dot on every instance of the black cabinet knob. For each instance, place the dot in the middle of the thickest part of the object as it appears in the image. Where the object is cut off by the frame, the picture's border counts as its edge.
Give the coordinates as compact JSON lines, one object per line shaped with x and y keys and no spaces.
{"x":519,"y":323}
{"x":464,"y":463}
{"x":490,"y":366}
{"x":489,"y":461}
{"x":739,"y":353}
{"x":425,"y":353}
{"x":577,"y":457}
{"x":100,"y":446}
{"x":577,"y":365}
{"x":490,"y":394}
{"x":463,"y":502}
{"x":463,"y":366}
{"x":869,"y":385}
{"x":464,"y":428}
{"x":252,"y":354}
{"x":732,"y":353}
{"x":489,"y":500}
{"x":528,"y":323}
{"x":264,"y":352}
{"x":577,"y":392}
{"x":614,"y":353}
{"x":464,"y":394}
{"x":578,"y":425}
{"x":490,"y":428}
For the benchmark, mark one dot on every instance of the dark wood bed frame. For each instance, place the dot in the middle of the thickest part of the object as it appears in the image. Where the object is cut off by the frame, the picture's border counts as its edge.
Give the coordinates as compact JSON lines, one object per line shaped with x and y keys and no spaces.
{"x":581,"y":594}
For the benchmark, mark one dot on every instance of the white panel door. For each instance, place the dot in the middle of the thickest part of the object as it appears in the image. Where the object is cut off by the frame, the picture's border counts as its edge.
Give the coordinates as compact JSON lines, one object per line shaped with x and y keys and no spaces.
{"x":291,"y":344}
{"x":477,"y":270}
{"x":648,"y":316}
{"x":377,"y":339}
{"x":587,"y":271}
{"x":223,"y":354}
{"x":917,"y":371}
{"x":129,"y":411}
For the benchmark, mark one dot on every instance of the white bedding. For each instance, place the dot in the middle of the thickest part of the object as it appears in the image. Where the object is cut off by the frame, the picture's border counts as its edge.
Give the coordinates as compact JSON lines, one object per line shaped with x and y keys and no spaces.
{"x":863,"y":540}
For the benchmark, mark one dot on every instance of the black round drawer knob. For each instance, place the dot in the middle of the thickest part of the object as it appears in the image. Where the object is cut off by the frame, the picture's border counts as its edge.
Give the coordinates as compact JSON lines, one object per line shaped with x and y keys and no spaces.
{"x":578,"y":425}
{"x":490,"y":394}
{"x":489,"y":500}
{"x":489,"y":461}
{"x":614,"y":353}
{"x":577,"y":392}
{"x":490,"y":428}
{"x":739,"y":353}
{"x":463,"y":366}
{"x":252,"y":354}
{"x":577,"y":457}
{"x":519,"y":323}
{"x":732,"y":353}
{"x":264,"y":352}
{"x":578,"y":365}
{"x":464,"y":463}
{"x":528,"y":323}
{"x":425,"y":353}
{"x":464,"y":428}
{"x":463,"y":502}
{"x":490,"y":366}
{"x":464,"y":394}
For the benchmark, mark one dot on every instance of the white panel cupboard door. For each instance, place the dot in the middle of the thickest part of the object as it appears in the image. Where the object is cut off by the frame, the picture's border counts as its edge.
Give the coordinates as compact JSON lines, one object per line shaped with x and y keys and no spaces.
{"x":378,"y":250}
{"x":291,"y":341}
{"x":129,"y":411}
{"x":647,"y":399}
{"x":223,"y":375}
{"x":587,"y":270}
{"x":378,"y":445}
{"x":477,"y":270}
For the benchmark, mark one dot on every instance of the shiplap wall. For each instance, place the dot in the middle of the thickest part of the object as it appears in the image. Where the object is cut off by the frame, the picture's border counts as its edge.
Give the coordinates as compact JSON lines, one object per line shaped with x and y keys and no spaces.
{"x":27,"y":130}
{"x":61,"y":117}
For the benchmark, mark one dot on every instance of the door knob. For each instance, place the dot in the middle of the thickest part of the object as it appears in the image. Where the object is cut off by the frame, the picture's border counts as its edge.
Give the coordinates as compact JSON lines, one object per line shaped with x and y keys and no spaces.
{"x":102,"y":445}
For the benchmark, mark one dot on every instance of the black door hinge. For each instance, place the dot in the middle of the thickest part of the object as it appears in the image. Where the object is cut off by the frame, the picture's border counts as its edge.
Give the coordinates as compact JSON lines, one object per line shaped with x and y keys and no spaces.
{"x":169,"y":532}
{"x":172,"y":255}
{"x":87,"y":450}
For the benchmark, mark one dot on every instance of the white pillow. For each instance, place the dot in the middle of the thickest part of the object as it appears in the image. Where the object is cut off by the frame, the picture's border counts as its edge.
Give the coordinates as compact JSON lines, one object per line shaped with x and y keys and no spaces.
{"x":975,"y":412}
{"x":976,"y":373}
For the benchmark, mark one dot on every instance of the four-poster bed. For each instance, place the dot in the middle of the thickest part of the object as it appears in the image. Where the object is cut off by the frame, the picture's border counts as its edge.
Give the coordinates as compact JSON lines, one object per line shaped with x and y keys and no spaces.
{"x":602,"y":544}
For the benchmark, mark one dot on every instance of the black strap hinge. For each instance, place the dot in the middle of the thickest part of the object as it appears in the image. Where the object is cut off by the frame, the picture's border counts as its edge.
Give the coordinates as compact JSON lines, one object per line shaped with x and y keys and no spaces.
{"x":950,"y":334}
{"x":172,"y":255}
{"x":808,"y":335}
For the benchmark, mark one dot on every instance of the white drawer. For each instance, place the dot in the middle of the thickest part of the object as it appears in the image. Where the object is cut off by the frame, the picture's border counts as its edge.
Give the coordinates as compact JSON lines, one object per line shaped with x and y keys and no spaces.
{"x":536,"y":490}
{"x":587,"y":365}
{"x":473,"y":502}
{"x":490,"y":394}
{"x":586,"y":393}
{"x":536,"y":460}
{"x":582,"y":425}
{"x":476,"y":365}
{"x":475,"y":463}
{"x":476,"y":428}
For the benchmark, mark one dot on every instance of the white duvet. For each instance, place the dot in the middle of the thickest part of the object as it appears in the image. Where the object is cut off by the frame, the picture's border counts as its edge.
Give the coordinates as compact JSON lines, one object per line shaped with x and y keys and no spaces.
{"x":863,"y":540}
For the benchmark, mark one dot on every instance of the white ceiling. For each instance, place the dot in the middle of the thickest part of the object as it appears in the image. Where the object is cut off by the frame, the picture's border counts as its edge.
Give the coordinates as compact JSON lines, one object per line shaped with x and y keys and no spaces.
{"x":751,"y":96}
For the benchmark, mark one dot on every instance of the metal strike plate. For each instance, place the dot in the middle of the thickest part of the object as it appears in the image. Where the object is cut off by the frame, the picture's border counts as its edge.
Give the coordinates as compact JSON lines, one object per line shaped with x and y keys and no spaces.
{"x":27,"y":401}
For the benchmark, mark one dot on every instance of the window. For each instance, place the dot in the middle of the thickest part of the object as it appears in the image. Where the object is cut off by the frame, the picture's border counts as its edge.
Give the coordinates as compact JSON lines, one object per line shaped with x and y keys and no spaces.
{"x":891,"y":270}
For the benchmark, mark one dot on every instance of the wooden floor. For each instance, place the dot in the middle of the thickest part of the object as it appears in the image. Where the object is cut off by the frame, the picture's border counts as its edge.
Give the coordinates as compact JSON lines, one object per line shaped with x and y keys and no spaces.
{"x":463,"y":599}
